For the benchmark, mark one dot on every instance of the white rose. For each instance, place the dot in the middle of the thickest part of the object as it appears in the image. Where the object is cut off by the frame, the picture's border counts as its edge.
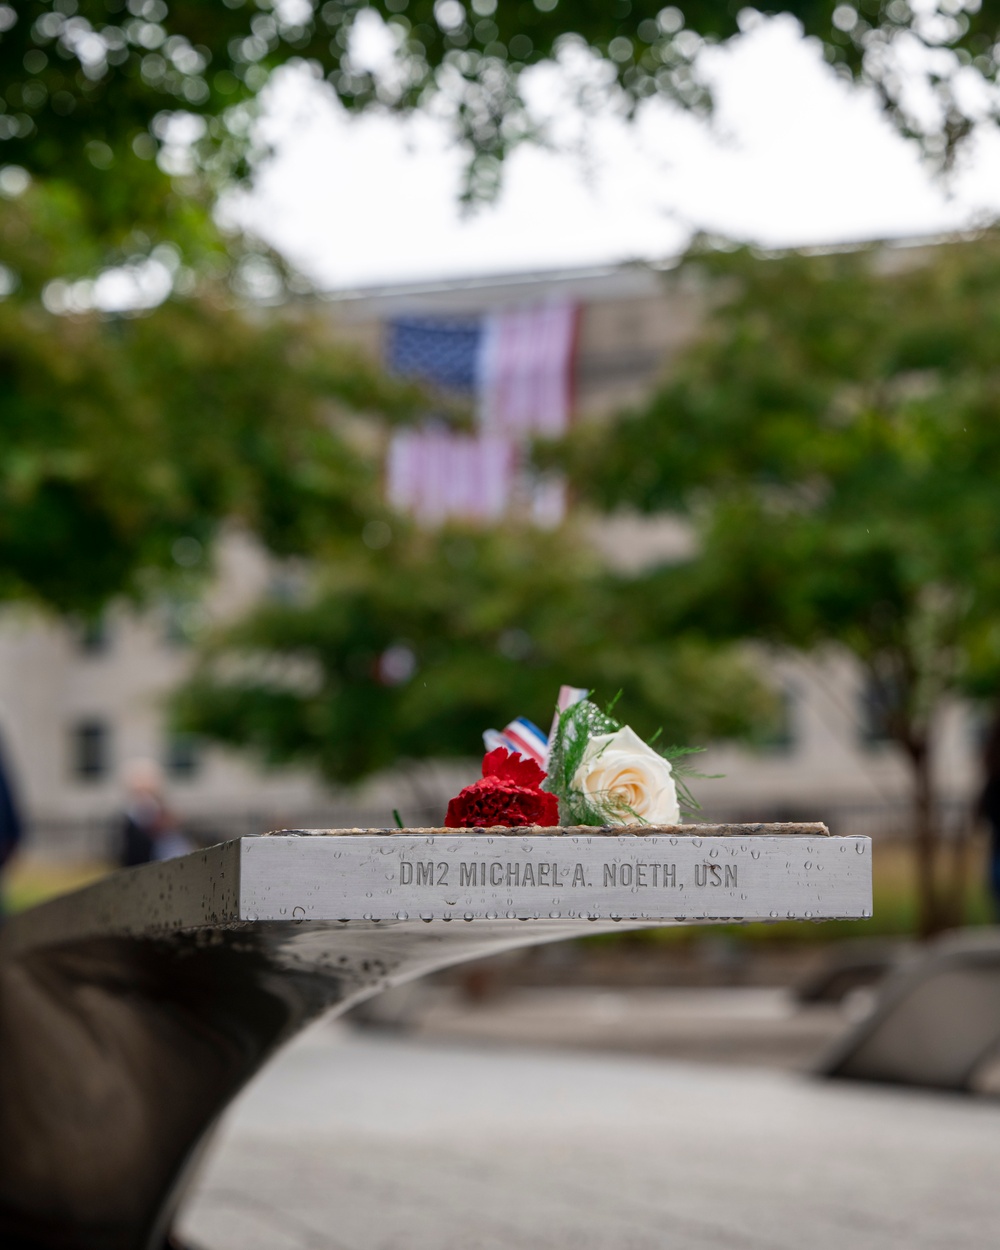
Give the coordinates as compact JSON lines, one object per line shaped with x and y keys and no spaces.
{"x":639,"y":781}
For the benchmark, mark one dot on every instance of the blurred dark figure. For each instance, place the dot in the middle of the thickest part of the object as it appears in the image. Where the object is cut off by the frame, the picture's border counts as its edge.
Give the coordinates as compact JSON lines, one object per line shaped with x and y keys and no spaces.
{"x":10,"y":820}
{"x":989,"y":810}
{"x":149,"y":829}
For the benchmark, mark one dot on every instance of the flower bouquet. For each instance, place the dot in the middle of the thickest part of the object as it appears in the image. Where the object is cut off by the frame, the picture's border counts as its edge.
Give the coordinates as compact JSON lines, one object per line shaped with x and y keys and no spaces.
{"x":590,"y":770}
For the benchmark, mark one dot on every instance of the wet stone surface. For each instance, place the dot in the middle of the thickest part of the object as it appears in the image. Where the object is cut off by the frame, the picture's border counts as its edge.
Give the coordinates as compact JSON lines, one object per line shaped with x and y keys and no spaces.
{"x":357,"y":1143}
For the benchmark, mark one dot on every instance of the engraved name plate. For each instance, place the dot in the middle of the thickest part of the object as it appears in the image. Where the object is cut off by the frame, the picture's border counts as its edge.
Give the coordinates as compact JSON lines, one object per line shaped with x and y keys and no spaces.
{"x":659,"y":877}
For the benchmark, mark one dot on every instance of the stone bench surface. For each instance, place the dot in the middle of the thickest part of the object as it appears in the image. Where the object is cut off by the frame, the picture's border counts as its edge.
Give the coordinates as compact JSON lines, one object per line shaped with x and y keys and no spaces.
{"x":641,"y":874}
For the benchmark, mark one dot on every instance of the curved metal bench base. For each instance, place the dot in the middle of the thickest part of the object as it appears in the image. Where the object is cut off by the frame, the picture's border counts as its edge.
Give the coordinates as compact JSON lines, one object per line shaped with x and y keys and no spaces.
{"x":120,"y":1053}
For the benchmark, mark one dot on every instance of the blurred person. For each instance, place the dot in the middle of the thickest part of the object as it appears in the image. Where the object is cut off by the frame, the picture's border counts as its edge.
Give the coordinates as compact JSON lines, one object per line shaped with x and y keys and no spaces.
{"x":989,"y":808}
{"x":149,"y":829}
{"x":10,"y":820}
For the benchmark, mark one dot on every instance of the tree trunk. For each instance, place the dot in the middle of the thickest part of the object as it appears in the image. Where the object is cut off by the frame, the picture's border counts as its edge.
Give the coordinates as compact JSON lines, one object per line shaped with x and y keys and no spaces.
{"x":930,"y":919}
{"x":958,"y":871}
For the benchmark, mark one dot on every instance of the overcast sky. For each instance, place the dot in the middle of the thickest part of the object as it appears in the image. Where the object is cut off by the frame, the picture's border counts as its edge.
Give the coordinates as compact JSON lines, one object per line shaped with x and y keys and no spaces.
{"x":796,"y":158}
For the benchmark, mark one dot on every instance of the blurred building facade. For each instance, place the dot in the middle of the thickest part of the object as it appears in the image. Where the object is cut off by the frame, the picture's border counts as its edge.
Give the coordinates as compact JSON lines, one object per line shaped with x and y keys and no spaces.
{"x":77,"y":704}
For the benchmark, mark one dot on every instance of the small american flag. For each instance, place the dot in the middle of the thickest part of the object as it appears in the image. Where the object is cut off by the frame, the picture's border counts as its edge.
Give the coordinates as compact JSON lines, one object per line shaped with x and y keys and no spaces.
{"x":522,"y":737}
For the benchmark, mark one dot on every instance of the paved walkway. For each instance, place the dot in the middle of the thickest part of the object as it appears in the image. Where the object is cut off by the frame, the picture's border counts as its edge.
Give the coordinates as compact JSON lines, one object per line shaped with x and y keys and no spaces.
{"x":745,"y":1026}
{"x":362,"y":1142}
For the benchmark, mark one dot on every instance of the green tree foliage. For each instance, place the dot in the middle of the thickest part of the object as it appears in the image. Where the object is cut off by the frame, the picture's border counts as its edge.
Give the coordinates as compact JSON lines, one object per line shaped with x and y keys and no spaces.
{"x":130,"y":440}
{"x":835,"y":440}
{"x":120,"y":121}
{"x":414,"y":649}
{"x":122,"y":434}
{"x":89,"y":86}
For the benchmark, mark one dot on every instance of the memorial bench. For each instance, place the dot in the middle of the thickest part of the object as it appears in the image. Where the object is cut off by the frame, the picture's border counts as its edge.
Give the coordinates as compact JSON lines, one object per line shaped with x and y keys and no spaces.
{"x":134,"y":1010}
{"x":936,"y":1021}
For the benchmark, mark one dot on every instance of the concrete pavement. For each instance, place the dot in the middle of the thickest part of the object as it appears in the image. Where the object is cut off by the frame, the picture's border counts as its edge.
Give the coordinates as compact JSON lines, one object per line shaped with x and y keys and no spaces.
{"x":354,"y":1141}
{"x":745,"y":1026}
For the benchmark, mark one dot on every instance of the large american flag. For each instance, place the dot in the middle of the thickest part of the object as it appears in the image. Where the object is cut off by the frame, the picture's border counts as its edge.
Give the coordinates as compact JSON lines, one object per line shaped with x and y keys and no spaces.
{"x":518,"y":367}
{"x":443,"y":351}
{"x":435,"y":474}
{"x":525,"y":370}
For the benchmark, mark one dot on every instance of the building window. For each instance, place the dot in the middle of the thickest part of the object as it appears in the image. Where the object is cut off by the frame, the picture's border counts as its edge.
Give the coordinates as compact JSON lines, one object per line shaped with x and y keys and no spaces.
{"x":177,"y":621}
{"x":183,"y":759}
{"x":94,"y":635}
{"x":877,"y":703}
{"x":780,"y":737}
{"x":288,"y":584}
{"x":90,"y":745}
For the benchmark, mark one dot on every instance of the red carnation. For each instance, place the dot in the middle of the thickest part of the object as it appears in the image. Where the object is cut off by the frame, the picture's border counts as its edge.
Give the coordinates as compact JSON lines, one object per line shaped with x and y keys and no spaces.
{"x":508,"y":793}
